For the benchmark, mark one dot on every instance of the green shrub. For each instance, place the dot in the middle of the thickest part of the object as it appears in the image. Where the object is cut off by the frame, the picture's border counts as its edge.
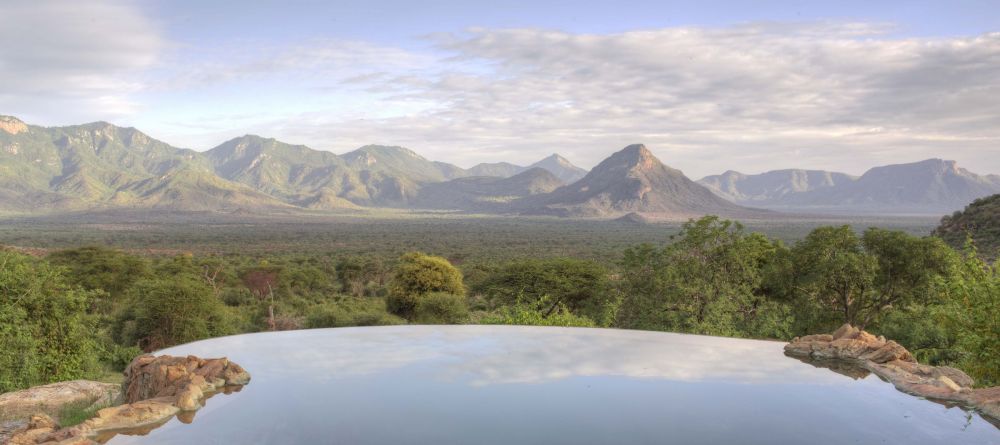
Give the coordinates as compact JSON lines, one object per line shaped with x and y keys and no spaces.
{"x":45,"y":332}
{"x":351,"y":312}
{"x":441,"y":308}
{"x":530,"y":314}
{"x":417,"y":275}
{"x":172,"y":310}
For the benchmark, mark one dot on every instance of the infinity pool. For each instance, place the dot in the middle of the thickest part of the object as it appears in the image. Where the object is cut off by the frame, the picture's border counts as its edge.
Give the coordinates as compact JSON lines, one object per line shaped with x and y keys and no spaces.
{"x":534,"y":385}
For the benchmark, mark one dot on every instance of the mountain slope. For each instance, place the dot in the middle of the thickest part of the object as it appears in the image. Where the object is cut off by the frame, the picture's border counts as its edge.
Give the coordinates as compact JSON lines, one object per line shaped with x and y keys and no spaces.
{"x":497,"y":169}
{"x":100,"y":165}
{"x":631,"y":180}
{"x":561,"y":167}
{"x":771,"y":187}
{"x":980,"y":221}
{"x":486,"y":193}
{"x":930,"y":186}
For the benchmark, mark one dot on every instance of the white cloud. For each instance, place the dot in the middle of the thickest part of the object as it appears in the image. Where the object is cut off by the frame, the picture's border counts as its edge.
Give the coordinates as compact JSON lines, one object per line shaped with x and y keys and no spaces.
{"x":750,"y":97}
{"x":73,"y":60}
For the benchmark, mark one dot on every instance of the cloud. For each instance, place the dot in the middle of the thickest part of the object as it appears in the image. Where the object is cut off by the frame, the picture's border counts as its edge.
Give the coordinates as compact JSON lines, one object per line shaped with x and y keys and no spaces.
{"x":59,"y":56}
{"x":752,"y":97}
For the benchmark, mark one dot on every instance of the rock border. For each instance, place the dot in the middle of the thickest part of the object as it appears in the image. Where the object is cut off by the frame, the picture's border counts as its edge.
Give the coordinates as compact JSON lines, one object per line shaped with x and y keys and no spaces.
{"x":155,"y":389}
{"x":893,"y":363}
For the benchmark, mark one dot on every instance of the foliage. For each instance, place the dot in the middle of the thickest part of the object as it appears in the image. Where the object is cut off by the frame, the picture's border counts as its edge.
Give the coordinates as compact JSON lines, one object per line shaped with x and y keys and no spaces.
{"x":979,"y":221}
{"x":707,"y":282}
{"x":167,"y":311}
{"x":417,"y":275}
{"x":351,"y":311}
{"x":536,"y":313}
{"x":972,"y":312}
{"x":441,"y":308}
{"x":581,"y":286}
{"x":45,"y":331}
{"x":73,"y":414}
{"x":834,"y":276}
{"x":100,"y":268}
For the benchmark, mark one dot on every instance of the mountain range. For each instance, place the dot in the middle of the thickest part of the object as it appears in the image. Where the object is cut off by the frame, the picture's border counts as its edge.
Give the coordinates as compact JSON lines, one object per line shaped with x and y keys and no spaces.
{"x":102,"y":166}
{"x":929,"y":186}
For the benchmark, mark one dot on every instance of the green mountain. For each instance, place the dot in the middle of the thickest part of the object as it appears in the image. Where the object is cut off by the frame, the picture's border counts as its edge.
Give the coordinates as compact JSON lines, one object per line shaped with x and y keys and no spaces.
{"x":498,"y":169}
{"x":99,"y":165}
{"x":295,"y":174}
{"x":979,"y":221}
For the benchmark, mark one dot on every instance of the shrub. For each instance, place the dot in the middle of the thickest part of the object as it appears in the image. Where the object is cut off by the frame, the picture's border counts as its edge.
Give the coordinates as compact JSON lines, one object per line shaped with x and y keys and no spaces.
{"x":441,"y":308}
{"x":173,"y":310}
{"x":532,"y":314}
{"x":418,"y":275}
{"x":45,"y":332}
{"x":351,"y":312}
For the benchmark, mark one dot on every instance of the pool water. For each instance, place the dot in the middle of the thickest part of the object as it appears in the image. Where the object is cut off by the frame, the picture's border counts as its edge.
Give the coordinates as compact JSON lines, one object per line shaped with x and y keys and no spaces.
{"x":537,"y":385}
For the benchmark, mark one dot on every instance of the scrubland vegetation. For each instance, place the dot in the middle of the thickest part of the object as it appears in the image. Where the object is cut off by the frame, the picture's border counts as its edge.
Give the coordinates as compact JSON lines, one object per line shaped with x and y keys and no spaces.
{"x":84,"y":311}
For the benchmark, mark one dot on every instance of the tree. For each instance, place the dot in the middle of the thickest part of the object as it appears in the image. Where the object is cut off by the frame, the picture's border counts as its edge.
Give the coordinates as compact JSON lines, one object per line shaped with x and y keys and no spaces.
{"x":971,"y":310}
{"x":45,"y":332}
{"x":417,"y":275}
{"x":708,"y":281}
{"x":100,"y":268}
{"x":581,"y":286}
{"x":839,"y":277}
{"x":166,"y":311}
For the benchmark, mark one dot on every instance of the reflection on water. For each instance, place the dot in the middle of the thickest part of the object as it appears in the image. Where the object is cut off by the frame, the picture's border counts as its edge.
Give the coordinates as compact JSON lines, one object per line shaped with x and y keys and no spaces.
{"x":499,"y":384}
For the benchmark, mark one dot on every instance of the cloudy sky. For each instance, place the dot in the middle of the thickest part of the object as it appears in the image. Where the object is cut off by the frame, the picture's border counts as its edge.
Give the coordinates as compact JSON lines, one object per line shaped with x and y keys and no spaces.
{"x":708,"y":86}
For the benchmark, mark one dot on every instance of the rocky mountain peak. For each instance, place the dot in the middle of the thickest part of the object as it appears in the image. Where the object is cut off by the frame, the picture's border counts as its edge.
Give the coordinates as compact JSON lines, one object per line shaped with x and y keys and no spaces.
{"x":12,"y":125}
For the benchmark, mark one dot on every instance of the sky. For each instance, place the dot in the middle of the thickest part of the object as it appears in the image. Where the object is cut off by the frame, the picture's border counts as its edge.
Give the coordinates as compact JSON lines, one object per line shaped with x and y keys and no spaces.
{"x":708,"y":86}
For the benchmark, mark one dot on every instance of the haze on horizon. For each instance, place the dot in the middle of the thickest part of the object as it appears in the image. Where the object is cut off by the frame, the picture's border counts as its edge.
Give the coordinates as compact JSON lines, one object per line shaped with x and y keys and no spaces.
{"x":718,"y":87}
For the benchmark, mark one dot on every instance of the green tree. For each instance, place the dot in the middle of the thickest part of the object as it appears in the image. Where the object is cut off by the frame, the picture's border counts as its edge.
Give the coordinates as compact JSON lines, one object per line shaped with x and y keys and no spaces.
{"x":170,"y":310}
{"x":708,"y":282}
{"x":417,"y":275}
{"x":971,"y":310}
{"x":581,"y":286}
{"x":45,"y":332}
{"x":100,"y":268}
{"x":835,"y":276}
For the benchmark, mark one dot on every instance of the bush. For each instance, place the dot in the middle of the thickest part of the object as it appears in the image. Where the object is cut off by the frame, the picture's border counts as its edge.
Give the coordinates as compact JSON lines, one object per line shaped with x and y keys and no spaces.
{"x":418,"y":275}
{"x":532,"y":314}
{"x":45,"y":332}
{"x":351,"y":312}
{"x":441,"y":308}
{"x":172,"y":310}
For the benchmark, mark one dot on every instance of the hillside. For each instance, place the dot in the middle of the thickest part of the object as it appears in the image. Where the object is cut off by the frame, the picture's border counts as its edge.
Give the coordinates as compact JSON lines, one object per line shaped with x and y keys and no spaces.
{"x":631,"y":180}
{"x":980,"y":221}
{"x":98,"y":164}
{"x":486,"y":193}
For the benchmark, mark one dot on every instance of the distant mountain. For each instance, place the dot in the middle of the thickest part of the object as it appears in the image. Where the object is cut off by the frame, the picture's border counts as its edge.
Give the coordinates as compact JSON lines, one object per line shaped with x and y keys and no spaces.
{"x":773,"y":186}
{"x":401,"y":162}
{"x":631,"y":180}
{"x":930,"y":186}
{"x":99,"y":165}
{"x":979,"y":221}
{"x":293,"y":173}
{"x":561,"y":167}
{"x":498,"y":169}
{"x":486,"y":193}
{"x":555,"y":164}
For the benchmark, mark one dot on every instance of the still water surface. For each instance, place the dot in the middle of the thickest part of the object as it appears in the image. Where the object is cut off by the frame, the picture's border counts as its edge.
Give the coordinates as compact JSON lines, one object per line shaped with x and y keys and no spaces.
{"x":533,"y":385}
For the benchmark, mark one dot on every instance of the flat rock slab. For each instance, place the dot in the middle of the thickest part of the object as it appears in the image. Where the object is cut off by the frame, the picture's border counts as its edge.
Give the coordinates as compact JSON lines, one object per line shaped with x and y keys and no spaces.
{"x":50,"y":399}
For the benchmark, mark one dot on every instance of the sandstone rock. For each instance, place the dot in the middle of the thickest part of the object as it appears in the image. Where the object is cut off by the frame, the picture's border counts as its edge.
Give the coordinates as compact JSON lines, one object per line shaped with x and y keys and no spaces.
{"x":156,"y":389}
{"x":49,"y":399}
{"x":891,"y":361}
